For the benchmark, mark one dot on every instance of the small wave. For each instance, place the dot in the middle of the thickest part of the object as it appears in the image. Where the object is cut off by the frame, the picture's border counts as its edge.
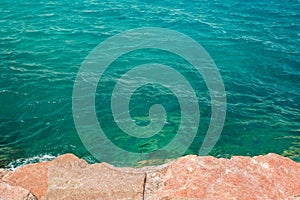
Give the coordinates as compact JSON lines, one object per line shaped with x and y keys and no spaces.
{"x":20,"y":69}
{"x":90,"y":11}
{"x":46,"y":15}
{"x":212,"y":25}
{"x":32,"y":31}
{"x":251,"y":38}
{"x":24,"y":161}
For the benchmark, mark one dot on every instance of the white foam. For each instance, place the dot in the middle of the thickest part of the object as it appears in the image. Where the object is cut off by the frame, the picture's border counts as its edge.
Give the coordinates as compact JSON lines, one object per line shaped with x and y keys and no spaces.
{"x":24,"y":161}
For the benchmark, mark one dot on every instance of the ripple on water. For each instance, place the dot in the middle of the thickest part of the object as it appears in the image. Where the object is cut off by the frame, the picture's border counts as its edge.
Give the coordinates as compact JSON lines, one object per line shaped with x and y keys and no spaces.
{"x":254,"y":44}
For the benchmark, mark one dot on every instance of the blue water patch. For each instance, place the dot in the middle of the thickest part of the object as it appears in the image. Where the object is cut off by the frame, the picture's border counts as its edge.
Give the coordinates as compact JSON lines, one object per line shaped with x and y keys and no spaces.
{"x":255,"y":45}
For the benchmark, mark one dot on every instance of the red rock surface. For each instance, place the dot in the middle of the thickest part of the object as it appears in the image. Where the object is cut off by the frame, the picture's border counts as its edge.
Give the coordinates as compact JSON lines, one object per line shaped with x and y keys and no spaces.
{"x":190,"y":177}
{"x":73,"y":178}
{"x":32,"y":177}
{"x":262,"y":177}
{"x":8,"y":192}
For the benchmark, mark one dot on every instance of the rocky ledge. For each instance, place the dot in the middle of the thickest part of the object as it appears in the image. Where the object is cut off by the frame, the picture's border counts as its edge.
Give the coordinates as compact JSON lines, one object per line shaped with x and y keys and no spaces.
{"x":190,"y":177}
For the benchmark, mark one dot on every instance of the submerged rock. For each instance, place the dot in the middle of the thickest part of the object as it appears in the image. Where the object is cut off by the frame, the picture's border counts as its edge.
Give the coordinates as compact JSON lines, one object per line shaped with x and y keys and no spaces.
{"x":190,"y":177}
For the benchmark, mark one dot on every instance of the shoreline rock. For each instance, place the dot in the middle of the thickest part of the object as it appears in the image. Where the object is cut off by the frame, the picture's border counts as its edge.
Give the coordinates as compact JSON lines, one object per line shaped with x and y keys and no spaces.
{"x":190,"y":177}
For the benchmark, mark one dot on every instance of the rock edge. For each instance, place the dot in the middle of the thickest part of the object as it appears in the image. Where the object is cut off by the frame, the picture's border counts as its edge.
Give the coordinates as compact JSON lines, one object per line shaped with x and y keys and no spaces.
{"x":190,"y":177}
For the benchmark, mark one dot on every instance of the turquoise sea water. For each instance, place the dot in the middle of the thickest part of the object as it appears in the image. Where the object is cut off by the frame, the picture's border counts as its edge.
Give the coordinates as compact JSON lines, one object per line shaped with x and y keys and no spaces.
{"x":255,"y":44}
